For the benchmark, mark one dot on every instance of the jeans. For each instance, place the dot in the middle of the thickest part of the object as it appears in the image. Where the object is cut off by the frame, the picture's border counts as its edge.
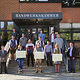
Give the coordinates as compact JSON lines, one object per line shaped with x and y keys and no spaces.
{"x":52,"y":44}
{"x":71,"y":65}
{"x":49,"y":59}
{"x":20,"y":63}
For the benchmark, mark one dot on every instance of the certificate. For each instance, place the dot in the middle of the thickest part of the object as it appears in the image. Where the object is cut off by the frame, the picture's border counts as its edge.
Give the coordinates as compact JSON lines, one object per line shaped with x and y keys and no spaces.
{"x":7,"y":47}
{"x":57,"y":57}
{"x":38,"y":55}
{"x":20,"y":54}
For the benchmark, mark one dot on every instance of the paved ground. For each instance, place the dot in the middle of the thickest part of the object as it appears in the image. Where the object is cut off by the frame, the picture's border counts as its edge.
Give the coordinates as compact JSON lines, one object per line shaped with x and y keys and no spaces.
{"x":50,"y":76}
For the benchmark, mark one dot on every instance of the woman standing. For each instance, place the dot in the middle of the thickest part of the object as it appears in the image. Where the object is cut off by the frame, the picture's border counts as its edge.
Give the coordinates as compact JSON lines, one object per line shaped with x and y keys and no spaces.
{"x":38,"y":61}
{"x":20,"y":60}
{"x":57,"y":63}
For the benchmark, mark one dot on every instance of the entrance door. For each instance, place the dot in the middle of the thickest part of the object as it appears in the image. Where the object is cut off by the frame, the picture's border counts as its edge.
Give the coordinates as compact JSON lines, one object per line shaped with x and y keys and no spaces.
{"x":35,"y":30}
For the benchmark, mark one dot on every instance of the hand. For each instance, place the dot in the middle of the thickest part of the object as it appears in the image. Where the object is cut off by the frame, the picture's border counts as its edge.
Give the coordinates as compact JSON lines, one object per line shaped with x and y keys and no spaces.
{"x":73,"y":58}
{"x":10,"y":48}
{"x":68,"y":58}
{"x":52,"y":54}
{"x":26,"y":54}
{"x":3,"y":58}
{"x":44,"y":54}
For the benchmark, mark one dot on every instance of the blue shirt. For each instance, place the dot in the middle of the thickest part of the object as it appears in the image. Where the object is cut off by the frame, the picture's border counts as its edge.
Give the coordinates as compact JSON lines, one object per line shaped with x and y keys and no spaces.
{"x":2,"y":51}
{"x":71,"y":52}
{"x":42,"y":36}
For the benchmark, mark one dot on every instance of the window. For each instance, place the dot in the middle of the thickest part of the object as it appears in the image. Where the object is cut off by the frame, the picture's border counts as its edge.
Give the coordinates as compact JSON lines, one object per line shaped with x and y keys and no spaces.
{"x":66,"y":36}
{"x":5,"y":31}
{"x":70,"y":31}
{"x":54,"y":1}
{"x":1,"y":25}
{"x":65,"y":27}
{"x":32,"y":0}
{"x":71,"y":3}
{"x":76,"y":36}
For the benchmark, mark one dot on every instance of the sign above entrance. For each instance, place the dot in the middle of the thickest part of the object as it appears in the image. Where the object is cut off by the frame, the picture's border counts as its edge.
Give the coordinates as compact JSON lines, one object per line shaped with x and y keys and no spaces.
{"x":55,"y":15}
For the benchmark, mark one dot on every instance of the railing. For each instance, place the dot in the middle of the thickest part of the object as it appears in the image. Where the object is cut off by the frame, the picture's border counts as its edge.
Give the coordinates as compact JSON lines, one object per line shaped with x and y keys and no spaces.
{"x":65,"y":55}
{"x":7,"y":46}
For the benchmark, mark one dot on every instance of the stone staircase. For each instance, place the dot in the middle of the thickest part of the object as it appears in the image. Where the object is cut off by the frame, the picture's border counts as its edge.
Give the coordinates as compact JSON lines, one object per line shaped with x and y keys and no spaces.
{"x":13,"y":68}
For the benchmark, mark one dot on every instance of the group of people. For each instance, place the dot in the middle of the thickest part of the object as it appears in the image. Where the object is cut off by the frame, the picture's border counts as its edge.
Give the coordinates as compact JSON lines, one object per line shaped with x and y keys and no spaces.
{"x":54,"y":46}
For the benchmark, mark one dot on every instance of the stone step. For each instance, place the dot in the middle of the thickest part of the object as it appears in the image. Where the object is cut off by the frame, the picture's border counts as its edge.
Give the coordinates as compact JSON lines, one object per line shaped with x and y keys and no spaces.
{"x":13,"y":67}
{"x":32,"y":70}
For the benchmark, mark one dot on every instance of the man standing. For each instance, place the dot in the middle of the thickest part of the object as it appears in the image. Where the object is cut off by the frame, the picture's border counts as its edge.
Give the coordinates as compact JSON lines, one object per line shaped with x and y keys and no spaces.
{"x":23,"y":41}
{"x":42,"y":35}
{"x":48,"y":53}
{"x":3,"y":57}
{"x":14,"y":33}
{"x":71,"y":54}
{"x":30,"y":36}
{"x":52,"y":37}
{"x":13,"y":46}
{"x":59,"y":41}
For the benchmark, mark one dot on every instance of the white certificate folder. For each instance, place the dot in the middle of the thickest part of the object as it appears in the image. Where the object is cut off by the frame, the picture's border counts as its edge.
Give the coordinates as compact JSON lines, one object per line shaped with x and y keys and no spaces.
{"x":20,"y":54}
{"x":39,"y":55}
{"x":57,"y":57}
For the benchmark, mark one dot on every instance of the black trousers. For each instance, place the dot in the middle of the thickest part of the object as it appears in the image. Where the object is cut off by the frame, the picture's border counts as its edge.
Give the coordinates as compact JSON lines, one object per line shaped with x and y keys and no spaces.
{"x":30,"y":55}
{"x":3,"y":67}
{"x":49,"y":59}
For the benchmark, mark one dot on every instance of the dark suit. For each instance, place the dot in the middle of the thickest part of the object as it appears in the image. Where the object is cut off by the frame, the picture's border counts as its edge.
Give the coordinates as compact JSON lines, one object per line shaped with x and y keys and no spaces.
{"x":71,"y":61}
{"x":15,"y":35}
{"x":3,"y":54}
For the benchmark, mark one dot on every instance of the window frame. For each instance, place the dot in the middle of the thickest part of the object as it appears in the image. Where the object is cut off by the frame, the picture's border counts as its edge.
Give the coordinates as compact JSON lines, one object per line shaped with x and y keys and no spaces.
{"x":56,"y":1}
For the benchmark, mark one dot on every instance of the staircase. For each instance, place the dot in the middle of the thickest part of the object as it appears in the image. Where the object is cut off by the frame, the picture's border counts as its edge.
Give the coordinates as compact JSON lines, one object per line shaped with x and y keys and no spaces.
{"x":13,"y":68}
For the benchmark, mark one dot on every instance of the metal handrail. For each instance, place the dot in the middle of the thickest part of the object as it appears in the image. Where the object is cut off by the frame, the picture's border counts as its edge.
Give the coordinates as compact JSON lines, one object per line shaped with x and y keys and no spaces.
{"x":66,"y":46}
{"x":7,"y":49}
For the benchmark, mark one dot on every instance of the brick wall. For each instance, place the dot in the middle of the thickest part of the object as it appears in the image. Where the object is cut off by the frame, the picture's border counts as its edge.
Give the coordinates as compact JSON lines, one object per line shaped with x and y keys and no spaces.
{"x":71,"y":15}
{"x":40,"y":7}
{"x":7,"y":7}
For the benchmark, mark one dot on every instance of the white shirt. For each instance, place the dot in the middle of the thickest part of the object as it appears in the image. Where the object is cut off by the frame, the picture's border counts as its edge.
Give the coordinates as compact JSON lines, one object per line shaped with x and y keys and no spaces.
{"x":52,"y":38}
{"x":29,"y":44}
{"x":12,"y":40}
{"x":71,"y":51}
{"x":39,"y":42}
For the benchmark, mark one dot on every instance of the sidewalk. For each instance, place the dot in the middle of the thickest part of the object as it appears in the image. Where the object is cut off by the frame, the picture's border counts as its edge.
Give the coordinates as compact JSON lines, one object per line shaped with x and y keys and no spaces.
{"x":51,"y":76}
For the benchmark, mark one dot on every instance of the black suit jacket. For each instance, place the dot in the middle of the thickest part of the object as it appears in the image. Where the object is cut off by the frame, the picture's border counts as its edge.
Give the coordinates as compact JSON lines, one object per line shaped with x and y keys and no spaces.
{"x":3,"y":56}
{"x":74,"y":53}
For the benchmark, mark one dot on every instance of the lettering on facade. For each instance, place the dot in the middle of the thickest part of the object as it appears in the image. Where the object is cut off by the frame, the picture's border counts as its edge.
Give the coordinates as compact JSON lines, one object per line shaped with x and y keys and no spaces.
{"x":37,"y":15}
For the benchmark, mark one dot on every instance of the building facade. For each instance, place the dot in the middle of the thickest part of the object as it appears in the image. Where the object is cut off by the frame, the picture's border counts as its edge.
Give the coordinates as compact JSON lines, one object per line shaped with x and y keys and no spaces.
{"x":40,"y":14}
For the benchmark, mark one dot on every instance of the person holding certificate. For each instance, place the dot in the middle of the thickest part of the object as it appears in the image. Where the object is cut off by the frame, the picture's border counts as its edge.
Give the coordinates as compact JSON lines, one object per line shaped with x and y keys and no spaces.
{"x":57,"y":63}
{"x":20,"y":60}
{"x":38,"y":61}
